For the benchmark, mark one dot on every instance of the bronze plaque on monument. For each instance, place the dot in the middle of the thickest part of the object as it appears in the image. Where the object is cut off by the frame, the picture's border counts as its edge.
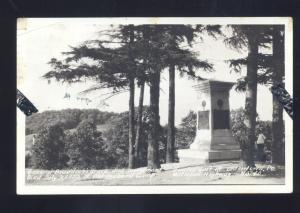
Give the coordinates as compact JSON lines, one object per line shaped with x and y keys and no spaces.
{"x":221,"y":119}
{"x":203,"y":119}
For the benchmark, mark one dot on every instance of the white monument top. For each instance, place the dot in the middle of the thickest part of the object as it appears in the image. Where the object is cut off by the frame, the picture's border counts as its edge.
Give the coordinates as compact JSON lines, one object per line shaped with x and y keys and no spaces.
{"x":212,"y":83}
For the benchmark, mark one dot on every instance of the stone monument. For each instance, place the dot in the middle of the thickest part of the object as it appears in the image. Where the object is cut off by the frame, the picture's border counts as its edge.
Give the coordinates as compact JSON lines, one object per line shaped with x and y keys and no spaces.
{"x":214,"y":140}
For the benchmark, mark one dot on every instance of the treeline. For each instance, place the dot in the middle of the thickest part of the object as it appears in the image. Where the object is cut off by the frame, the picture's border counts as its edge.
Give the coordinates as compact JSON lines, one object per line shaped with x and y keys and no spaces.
{"x":87,"y":148}
{"x":68,"y":118}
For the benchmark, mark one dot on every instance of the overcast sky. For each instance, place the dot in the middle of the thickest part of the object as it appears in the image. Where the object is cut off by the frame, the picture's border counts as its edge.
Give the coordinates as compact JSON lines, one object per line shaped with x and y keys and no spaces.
{"x":39,"y":40}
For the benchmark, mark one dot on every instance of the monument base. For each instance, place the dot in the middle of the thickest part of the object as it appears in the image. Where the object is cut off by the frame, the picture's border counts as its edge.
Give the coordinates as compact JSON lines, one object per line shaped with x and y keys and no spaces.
{"x":202,"y":157}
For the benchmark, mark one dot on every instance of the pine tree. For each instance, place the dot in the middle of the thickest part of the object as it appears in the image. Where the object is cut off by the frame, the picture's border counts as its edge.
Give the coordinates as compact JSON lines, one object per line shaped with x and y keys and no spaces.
{"x":131,"y":76}
{"x":152,"y":56}
{"x":251,"y":37}
{"x":270,"y":72}
{"x":185,"y":61}
{"x":161,"y":50}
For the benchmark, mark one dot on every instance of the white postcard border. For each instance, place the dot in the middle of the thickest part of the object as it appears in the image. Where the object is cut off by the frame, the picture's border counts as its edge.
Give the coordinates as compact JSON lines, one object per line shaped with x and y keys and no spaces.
{"x":24,"y":189}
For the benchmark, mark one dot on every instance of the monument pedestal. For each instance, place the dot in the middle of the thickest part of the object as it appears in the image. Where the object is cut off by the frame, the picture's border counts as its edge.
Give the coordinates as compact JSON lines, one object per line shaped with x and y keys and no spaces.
{"x":202,"y":157}
{"x":214,"y":140}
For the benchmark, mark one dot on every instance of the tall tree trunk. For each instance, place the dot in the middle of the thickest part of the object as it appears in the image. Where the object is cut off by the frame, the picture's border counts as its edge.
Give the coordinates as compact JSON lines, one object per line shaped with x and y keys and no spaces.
{"x":278,"y":149}
{"x":131,"y":124}
{"x":131,"y":104}
{"x":153,"y":152}
{"x":139,"y":127}
{"x":171,"y":116}
{"x":251,"y":98}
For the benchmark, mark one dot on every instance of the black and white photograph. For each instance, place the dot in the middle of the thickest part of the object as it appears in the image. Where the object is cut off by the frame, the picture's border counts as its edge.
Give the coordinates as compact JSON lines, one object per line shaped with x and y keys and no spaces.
{"x":155,"y":105}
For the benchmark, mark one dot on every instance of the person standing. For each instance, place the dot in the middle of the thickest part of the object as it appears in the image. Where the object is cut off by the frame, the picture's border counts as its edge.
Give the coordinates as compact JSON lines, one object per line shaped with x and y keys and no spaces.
{"x":260,"y":146}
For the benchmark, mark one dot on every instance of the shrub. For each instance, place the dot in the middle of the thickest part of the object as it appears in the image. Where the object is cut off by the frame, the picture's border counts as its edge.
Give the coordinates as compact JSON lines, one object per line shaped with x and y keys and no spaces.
{"x":186,"y":132}
{"x":116,"y":142}
{"x":85,"y":147}
{"x":48,"y":152}
{"x":239,"y":129}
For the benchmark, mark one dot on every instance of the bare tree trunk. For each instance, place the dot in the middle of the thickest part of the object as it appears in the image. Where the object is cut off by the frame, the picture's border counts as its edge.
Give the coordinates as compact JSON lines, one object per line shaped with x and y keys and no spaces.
{"x":131,"y":105}
{"x":153,"y":152}
{"x":139,"y":127}
{"x":171,"y":118}
{"x":278,"y":149}
{"x":251,"y":98}
{"x":131,"y":124}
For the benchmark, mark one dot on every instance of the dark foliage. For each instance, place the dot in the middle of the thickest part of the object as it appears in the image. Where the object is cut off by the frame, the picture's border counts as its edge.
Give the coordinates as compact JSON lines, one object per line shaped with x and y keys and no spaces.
{"x":85,"y":147}
{"x":239,"y":129}
{"x":186,"y":132}
{"x":265,"y":62}
{"x":28,"y":160}
{"x":116,"y":142}
{"x":49,"y":151}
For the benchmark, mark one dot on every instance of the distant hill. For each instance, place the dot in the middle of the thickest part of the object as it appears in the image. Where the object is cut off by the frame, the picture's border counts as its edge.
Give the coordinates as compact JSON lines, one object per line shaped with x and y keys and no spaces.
{"x":69,"y":118}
